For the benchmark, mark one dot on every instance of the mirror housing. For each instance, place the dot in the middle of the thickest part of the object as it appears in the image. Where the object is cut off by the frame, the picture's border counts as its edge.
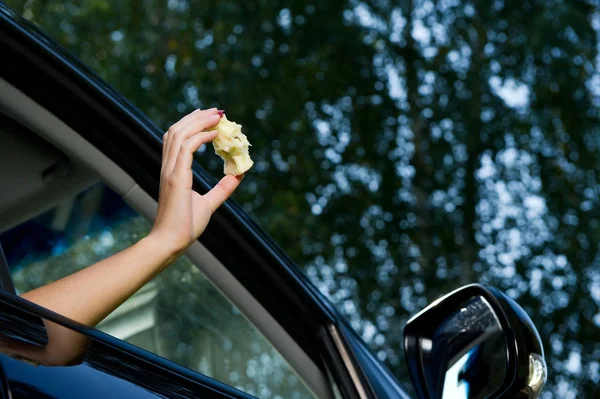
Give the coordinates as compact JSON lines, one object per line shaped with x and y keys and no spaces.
{"x":474,"y":343}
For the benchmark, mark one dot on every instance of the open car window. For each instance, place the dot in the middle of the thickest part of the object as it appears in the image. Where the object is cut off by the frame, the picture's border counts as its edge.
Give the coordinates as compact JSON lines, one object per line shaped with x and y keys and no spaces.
{"x":179,"y":315}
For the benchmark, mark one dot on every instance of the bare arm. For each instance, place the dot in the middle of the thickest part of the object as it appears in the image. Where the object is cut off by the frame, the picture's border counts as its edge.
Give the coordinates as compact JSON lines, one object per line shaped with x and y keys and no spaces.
{"x":90,"y":295}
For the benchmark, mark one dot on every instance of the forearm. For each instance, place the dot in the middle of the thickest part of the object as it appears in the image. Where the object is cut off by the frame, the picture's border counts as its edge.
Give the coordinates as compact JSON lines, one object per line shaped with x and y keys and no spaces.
{"x":91,"y":294}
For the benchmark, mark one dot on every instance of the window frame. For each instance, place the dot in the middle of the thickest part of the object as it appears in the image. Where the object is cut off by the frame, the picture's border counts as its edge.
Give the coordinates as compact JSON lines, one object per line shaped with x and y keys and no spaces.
{"x":41,"y":121}
{"x":145,"y":207}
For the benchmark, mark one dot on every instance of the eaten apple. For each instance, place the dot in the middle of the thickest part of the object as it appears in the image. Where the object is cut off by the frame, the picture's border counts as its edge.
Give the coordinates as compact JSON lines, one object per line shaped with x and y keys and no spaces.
{"x":232,"y":146}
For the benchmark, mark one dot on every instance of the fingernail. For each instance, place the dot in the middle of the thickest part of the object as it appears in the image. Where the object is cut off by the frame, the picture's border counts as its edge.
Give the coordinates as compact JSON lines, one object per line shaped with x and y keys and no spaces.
{"x":221,"y":112}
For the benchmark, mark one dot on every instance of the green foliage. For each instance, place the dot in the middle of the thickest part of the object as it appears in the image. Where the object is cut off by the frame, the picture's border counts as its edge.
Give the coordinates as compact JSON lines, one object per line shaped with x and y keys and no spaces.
{"x":402,"y":148}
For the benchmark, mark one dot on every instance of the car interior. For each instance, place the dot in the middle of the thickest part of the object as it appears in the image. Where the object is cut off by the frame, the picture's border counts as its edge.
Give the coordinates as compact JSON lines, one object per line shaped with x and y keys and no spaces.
{"x":44,"y":162}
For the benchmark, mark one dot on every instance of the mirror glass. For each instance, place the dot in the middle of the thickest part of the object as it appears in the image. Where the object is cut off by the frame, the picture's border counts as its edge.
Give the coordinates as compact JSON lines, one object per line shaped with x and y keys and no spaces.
{"x":466,"y":357}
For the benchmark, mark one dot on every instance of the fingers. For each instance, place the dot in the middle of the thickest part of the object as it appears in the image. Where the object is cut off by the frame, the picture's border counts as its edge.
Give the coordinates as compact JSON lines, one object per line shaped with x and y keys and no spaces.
{"x":194,"y":116}
{"x":179,"y":145}
{"x":194,"y":125}
{"x":167,"y":137}
{"x":185,"y":158}
{"x":223,"y":190}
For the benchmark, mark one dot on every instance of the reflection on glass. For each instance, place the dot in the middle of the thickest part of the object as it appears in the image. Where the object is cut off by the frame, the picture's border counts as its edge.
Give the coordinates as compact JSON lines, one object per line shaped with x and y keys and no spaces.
{"x":466,"y":357}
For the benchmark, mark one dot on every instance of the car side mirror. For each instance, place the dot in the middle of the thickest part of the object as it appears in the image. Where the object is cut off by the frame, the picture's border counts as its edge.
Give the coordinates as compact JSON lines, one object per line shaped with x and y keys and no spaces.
{"x":474,"y":343}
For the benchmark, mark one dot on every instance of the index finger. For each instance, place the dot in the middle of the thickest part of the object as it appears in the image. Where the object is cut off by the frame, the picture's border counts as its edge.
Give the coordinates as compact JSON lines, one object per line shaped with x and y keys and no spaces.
{"x":199,"y":113}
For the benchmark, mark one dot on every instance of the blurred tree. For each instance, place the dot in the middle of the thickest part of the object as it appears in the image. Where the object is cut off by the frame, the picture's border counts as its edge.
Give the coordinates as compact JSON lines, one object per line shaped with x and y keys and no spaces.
{"x":402,"y":148}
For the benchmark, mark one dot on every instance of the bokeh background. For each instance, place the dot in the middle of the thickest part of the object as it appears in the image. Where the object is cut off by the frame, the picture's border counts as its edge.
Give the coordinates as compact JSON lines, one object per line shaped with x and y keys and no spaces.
{"x":403,"y":148}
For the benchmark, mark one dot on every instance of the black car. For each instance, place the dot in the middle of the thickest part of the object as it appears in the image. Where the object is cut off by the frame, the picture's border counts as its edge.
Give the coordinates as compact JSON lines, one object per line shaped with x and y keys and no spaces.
{"x":76,"y":157}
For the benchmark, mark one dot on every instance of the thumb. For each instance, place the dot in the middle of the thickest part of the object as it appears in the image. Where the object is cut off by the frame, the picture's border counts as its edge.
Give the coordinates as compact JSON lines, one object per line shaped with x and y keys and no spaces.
{"x":222,"y":191}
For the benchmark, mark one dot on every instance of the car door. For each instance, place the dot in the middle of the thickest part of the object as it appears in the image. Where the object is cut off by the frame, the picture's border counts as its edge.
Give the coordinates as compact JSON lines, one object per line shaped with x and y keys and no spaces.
{"x":75,"y":109}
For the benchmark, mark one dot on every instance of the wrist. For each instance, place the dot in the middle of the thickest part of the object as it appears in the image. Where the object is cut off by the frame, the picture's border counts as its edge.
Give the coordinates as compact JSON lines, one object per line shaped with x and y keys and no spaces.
{"x":159,"y":249}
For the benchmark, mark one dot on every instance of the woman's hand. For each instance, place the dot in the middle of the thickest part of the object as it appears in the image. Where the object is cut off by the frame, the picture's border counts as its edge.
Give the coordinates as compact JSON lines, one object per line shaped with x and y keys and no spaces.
{"x":183,"y":213}
{"x":91,"y":294}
